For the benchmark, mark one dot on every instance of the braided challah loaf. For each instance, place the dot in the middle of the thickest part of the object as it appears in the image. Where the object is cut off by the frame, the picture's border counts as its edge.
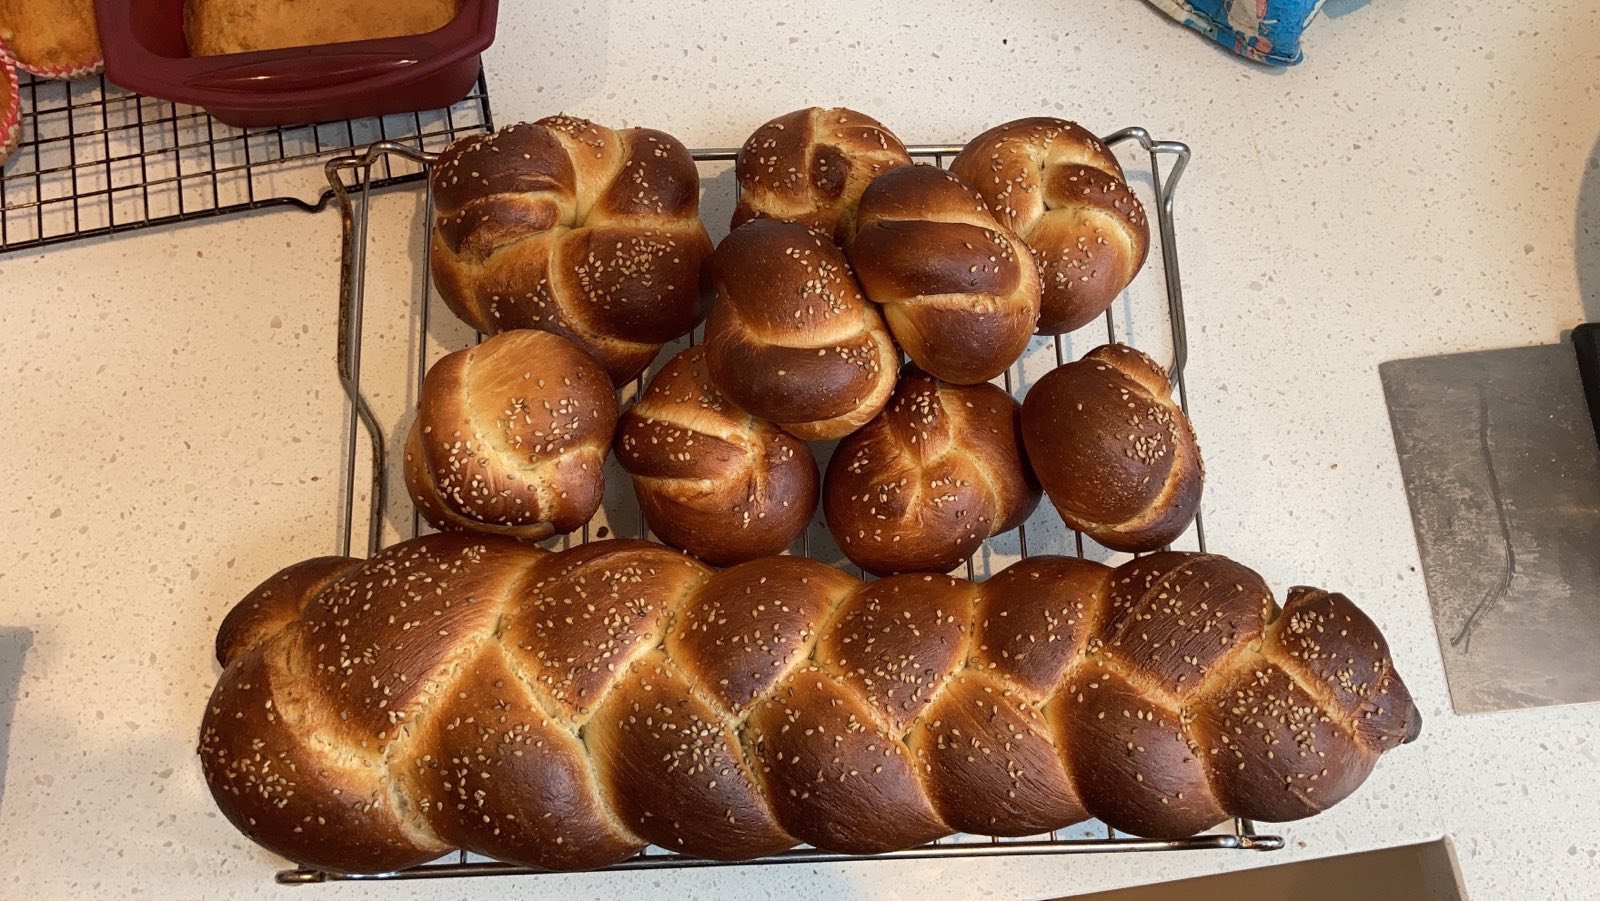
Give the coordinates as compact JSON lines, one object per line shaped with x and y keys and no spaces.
{"x":790,"y":338}
{"x":563,"y":710}
{"x":1057,"y":186}
{"x":511,"y":437}
{"x":570,"y":227}
{"x":1113,"y":450}
{"x":810,"y":166}
{"x":710,"y":478}
{"x":923,"y":484}
{"x":959,"y":291}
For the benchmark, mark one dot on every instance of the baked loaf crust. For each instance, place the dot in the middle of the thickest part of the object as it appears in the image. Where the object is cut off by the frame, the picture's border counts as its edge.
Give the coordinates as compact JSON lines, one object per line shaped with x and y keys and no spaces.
{"x":52,"y":38}
{"x":1057,"y":186}
{"x":1114,"y":451}
{"x":573,"y":228}
{"x":710,"y":478}
{"x":562,"y":710}
{"x":960,"y":292}
{"x":810,"y":166}
{"x":923,"y":484}
{"x":215,"y":27}
{"x":511,"y":437}
{"x":790,"y":338}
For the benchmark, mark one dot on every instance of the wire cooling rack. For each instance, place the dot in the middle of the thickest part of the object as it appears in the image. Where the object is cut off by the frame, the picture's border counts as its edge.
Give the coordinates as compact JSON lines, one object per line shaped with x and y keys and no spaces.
{"x":1150,"y":315}
{"x":95,"y":159}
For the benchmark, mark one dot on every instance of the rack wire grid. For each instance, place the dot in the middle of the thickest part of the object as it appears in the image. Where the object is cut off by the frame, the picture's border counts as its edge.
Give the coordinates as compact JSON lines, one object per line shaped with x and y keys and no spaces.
{"x":94,"y":159}
{"x":1149,"y":314}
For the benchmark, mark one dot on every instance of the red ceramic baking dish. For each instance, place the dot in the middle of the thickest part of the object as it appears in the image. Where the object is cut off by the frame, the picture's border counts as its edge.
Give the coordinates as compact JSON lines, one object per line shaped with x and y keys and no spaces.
{"x":145,"y":51}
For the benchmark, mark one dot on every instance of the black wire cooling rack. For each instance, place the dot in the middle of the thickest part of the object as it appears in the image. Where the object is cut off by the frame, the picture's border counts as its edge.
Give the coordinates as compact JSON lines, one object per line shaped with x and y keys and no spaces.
{"x":94,"y":159}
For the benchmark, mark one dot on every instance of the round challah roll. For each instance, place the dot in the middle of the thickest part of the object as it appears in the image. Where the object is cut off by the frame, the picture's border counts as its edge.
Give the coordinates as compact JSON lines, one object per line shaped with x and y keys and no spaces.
{"x":959,"y":291}
{"x":923,"y":484}
{"x":710,"y":478}
{"x":511,"y":436}
{"x":790,"y":338}
{"x":1061,"y":189}
{"x":564,"y":710}
{"x":810,"y":166}
{"x":573,"y":228}
{"x":1114,"y":451}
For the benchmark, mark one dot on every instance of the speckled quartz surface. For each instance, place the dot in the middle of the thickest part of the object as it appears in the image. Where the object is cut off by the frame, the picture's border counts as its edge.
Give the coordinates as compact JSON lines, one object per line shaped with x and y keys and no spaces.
{"x":1428,"y":181}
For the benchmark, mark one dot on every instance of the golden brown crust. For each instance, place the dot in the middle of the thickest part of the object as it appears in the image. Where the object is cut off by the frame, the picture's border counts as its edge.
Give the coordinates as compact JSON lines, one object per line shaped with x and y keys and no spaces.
{"x":1113,"y":450}
{"x":215,"y":27}
{"x":511,"y":437}
{"x":1058,"y":187}
{"x":811,"y":166}
{"x":790,"y":337}
{"x":710,"y":478}
{"x":573,"y":228}
{"x":51,"y":37}
{"x":275,"y":603}
{"x":960,"y":291}
{"x":562,"y":710}
{"x":923,"y":484}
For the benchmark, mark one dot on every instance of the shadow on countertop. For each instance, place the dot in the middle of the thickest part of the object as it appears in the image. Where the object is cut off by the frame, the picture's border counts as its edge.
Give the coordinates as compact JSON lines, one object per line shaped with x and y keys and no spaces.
{"x":1587,"y":241}
{"x":14,"y":644}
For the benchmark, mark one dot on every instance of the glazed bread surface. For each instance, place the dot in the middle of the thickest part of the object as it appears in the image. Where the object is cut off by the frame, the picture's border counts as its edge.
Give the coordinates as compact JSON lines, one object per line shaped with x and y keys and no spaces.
{"x":564,"y":710}
{"x":1114,"y":450}
{"x":1062,"y":190}
{"x":710,"y":478}
{"x":573,"y":228}
{"x":511,"y":437}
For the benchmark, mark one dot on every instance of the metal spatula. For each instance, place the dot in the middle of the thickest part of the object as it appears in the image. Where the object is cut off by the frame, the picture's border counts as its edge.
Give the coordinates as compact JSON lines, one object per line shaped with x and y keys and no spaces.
{"x":1499,"y":454}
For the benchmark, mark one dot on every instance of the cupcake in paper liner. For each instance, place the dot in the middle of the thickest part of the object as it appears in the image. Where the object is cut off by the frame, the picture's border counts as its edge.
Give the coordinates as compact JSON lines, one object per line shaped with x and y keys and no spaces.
{"x":10,"y":105}
{"x":52,"y":38}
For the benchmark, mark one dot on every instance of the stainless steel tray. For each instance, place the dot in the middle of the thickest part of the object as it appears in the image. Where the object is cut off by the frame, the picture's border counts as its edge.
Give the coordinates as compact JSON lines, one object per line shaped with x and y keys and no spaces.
{"x":1149,"y":315}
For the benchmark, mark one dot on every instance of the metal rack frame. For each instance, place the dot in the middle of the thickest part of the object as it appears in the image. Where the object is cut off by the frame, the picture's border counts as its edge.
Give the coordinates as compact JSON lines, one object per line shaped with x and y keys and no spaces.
{"x":352,"y":181}
{"x":94,"y":159}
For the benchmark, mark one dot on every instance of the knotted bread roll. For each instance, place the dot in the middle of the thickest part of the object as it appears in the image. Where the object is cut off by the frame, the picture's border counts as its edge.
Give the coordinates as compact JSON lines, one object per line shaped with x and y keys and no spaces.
{"x":563,"y":710}
{"x":1114,"y":451}
{"x":1062,"y":190}
{"x":710,"y":478}
{"x":790,"y":338}
{"x":573,"y":228}
{"x":923,"y":484}
{"x":810,"y":166}
{"x":959,"y":291}
{"x":511,"y":436}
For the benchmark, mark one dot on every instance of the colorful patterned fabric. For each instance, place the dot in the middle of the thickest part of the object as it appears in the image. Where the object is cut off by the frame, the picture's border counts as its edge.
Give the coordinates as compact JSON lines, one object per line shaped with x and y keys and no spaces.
{"x":1267,"y":31}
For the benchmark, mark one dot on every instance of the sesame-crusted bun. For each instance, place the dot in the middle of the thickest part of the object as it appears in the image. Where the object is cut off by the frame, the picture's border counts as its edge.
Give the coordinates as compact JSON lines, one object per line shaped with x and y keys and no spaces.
{"x":921,"y":486}
{"x":790,"y":337}
{"x":810,"y":166}
{"x":564,"y":710}
{"x":1061,"y":189}
{"x":573,"y":228}
{"x":511,"y":436}
{"x":1114,"y":451}
{"x":959,"y":290}
{"x":710,"y":478}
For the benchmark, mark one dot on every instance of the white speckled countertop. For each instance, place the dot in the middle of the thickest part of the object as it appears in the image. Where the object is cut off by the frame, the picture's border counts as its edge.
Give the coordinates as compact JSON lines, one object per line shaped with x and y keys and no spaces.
{"x":169,"y":424}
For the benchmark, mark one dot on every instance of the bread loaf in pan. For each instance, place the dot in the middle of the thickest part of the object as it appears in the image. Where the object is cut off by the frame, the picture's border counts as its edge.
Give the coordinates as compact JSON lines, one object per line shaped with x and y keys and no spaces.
{"x":576,"y":229}
{"x":563,"y":710}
